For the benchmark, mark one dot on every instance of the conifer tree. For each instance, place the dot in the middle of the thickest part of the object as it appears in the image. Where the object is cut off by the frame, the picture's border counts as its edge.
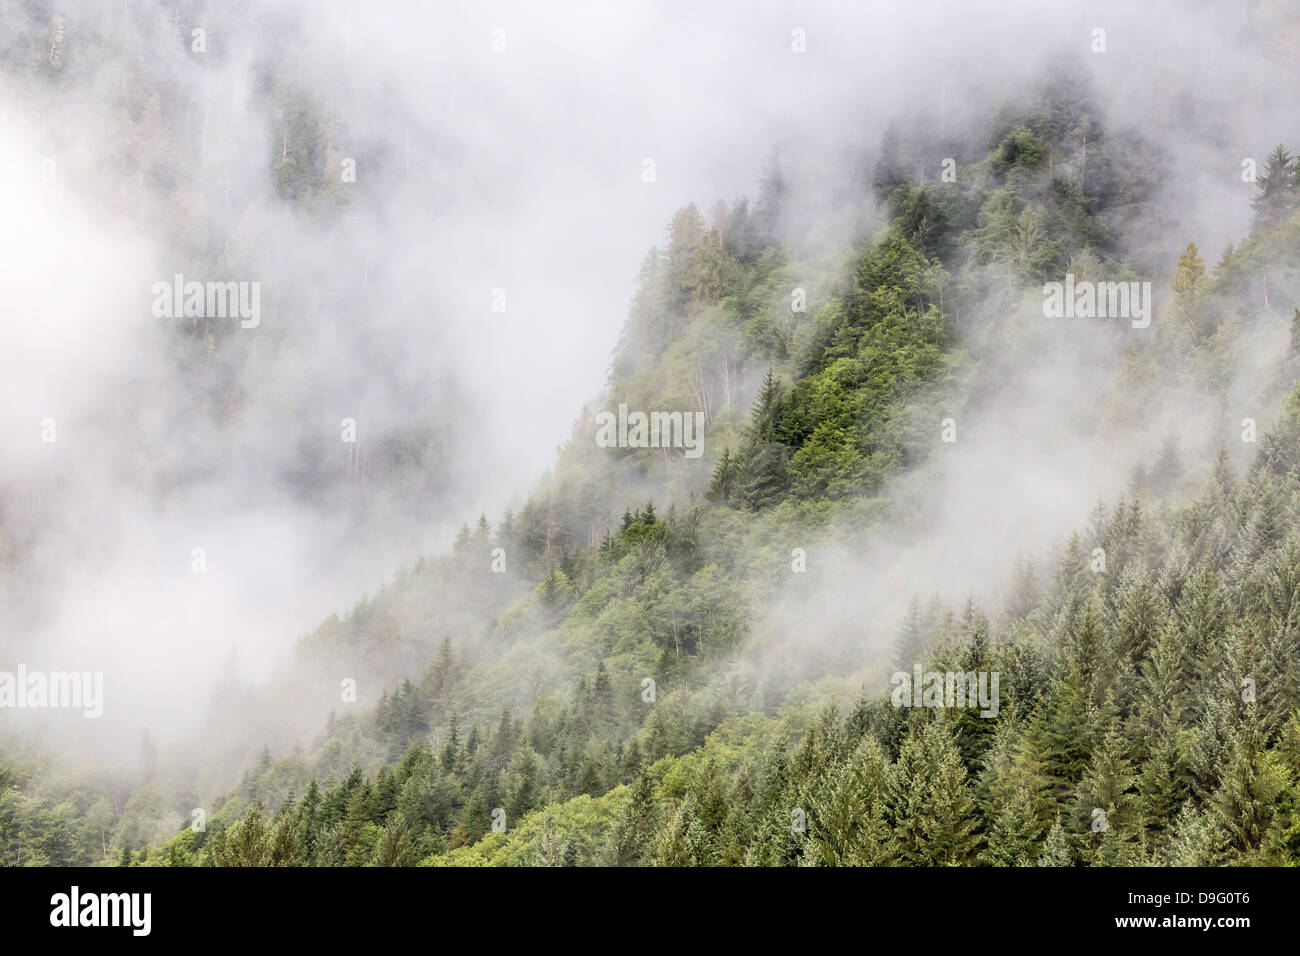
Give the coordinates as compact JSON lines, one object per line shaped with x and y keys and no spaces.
{"x":1106,"y":802}
{"x":722,"y":483}
{"x":909,"y":645}
{"x":846,"y":810}
{"x":683,"y":841}
{"x":1056,"y":850}
{"x":635,"y":832}
{"x":930,"y":807}
{"x":1247,"y":800}
{"x":1013,"y":837}
{"x":738,"y":826}
{"x":1062,"y":734}
{"x":1198,"y":839}
{"x":1276,"y":187}
{"x":1187,"y":285}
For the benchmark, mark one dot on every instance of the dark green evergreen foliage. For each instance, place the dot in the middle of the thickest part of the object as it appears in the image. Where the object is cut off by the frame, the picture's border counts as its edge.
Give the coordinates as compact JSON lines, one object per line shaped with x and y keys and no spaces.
{"x":765,"y":457}
{"x":1019,"y":150}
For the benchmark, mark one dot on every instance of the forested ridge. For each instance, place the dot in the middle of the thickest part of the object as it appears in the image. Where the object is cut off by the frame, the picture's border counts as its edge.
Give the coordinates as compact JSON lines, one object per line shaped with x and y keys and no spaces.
{"x":1162,"y":690}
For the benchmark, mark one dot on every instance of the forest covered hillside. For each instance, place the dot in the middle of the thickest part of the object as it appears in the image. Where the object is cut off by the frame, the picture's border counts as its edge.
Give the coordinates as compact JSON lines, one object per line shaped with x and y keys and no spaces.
{"x":709,"y":650}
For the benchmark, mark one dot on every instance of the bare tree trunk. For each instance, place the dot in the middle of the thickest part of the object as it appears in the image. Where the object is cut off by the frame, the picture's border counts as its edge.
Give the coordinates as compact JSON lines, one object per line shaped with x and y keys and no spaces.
{"x":703,"y":393}
{"x":726,"y":379}
{"x":1083,"y":168}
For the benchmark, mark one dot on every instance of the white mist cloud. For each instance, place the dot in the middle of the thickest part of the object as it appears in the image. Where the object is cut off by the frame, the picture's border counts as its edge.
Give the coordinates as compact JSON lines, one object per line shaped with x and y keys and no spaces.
{"x":477,"y":170}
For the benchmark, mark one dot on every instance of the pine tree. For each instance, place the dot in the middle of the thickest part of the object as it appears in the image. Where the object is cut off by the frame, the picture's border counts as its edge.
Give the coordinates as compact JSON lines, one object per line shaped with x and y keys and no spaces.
{"x":285,"y":848}
{"x":1023,"y":596}
{"x":451,"y":752}
{"x":1163,"y":781}
{"x":392,"y":848}
{"x":738,"y":827}
{"x":846,"y":811}
{"x":1246,"y":801}
{"x":931,"y":811}
{"x":1188,"y":282}
{"x":772,"y":192}
{"x":775,"y":841}
{"x":766,"y":478}
{"x":764,"y":458}
{"x":1013,"y":837}
{"x":441,"y":675}
{"x":355,"y":835}
{"x":1010,"y":772}
{"x":1167,"y":468}
{"x":1106,"y":802}
{"x":1136,"y":618}
{"x":247,"y":842}
{"x":524,"y":796}
{"x":1276,"y":186}
{"x":766,"y":410}
{"x":683,"y":841}
{"x":309,"y":818}
{"x":1056,"y":850}
{"x":635,"y":832}
{"x":1198,"y":840}
{"x":710,"y":792}
{"x":1061,"y":736}
{"x":909,"y":645}
{"x":722,"y":483}
{"x":1223,"y":481}
{"x":1085,"y":646}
